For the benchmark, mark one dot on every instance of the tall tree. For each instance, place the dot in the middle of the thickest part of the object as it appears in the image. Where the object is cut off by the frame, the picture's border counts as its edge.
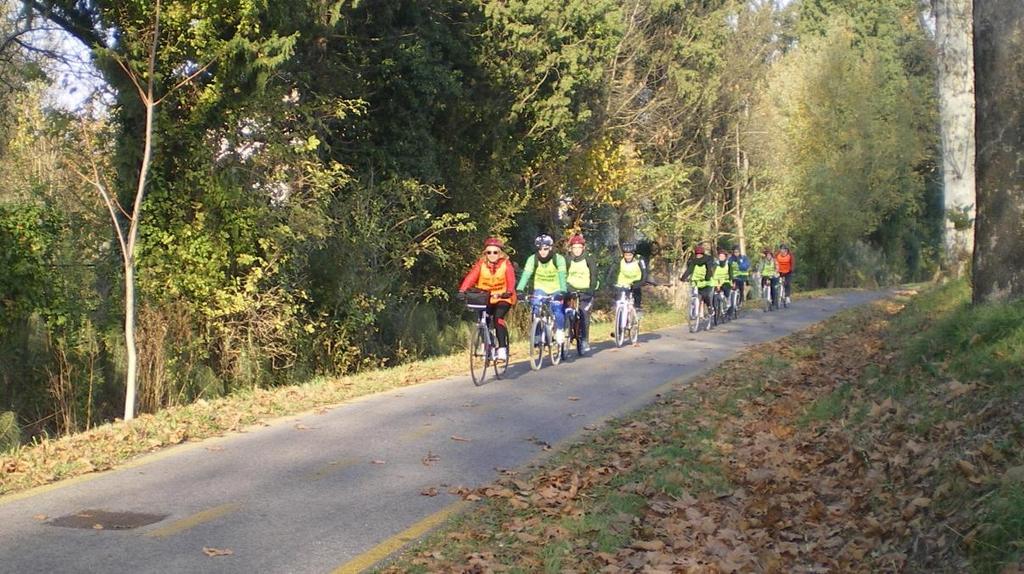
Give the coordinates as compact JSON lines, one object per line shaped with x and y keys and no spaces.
{"x":998,"y":274}
{"x":956,"y":114}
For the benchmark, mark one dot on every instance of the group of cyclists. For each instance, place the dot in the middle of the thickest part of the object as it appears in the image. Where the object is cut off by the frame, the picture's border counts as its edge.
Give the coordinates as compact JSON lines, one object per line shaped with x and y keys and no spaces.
{"x":557,"y":278}
{"x":709,"y":275}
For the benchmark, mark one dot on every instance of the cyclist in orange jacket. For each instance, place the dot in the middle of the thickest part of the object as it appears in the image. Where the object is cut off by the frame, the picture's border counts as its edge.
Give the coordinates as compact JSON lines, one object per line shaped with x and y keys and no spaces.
{"x":494,"y":273}
{"x":784,"y":263}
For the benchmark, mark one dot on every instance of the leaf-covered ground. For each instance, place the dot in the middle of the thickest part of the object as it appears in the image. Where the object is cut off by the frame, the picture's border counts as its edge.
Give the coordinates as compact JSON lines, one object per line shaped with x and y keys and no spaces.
{"x":887,"y":439}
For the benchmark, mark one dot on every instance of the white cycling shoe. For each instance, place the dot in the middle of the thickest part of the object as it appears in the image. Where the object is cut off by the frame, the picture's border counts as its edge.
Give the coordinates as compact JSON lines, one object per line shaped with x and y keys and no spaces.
{"x":560,"y":336}
{"x":501,"y":354}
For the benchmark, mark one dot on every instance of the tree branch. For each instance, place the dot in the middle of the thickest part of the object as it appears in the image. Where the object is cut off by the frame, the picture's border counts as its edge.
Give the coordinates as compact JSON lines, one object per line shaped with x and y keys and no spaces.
{"x":76,"y":23}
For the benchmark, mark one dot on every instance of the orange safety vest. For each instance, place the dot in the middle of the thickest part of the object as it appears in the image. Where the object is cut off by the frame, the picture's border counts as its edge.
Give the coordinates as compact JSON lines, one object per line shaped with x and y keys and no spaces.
{"x":784,"y":261}
{"x":494,"y":281}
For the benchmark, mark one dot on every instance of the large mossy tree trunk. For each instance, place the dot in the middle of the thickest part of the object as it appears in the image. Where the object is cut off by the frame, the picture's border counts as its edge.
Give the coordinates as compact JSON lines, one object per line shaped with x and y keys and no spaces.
{"x":999,"y":85}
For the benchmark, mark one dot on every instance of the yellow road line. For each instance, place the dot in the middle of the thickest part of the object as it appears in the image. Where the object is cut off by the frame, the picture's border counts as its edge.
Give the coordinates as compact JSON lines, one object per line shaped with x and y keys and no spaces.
{"x":196,"y":519}
{"x":396,"y":542}
{"x":330,"y":467}
{"x":423,"y":431}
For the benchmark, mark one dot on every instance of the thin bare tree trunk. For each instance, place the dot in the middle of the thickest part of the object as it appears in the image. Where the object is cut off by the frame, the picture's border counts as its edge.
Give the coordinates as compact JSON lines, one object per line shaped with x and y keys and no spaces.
{"x":956,"y":111}
{"x":742,"y":170}
{"x":129,"y":255}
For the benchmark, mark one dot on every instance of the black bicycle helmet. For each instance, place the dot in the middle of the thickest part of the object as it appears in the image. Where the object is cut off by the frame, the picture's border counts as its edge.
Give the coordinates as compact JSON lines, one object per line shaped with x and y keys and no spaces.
{"x":543,"y":240}
{"x":629,"y":247}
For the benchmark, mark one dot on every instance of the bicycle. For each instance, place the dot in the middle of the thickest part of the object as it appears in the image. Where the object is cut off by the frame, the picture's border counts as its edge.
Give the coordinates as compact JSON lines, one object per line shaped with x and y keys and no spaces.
{"x":627,"y":325}
{"x":718,"y":314}
{"x":575,"y":316}
{"x":784,"y":288}
{"x":542,"y":336}
{"x":483,"y":342}
{"x":698,"y":312}
{"x":769,"y":296}
{"x":733,"y":311}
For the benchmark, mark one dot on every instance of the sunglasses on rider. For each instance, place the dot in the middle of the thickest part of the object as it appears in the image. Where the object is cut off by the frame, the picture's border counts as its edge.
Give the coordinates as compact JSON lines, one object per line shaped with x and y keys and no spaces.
{"x":492,"y":252}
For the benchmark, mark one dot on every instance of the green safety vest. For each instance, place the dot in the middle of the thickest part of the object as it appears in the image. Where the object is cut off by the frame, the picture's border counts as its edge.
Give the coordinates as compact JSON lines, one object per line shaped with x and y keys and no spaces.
{"x":721,"y":275}
{"x":547,"y":277}
{"x":700,"y":276}
{"x":629,"y":272}
{"x":768,"y":268}
{"x":579,"y":274}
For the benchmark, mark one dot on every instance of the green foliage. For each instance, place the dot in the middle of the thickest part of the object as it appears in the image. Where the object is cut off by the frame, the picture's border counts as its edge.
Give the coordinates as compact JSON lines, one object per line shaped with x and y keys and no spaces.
{"x":10,"y":434}
{"x":999,"y":547}
{"x":975,"y":343}
{"x":846,"y":121}
{"x":27,"y":237}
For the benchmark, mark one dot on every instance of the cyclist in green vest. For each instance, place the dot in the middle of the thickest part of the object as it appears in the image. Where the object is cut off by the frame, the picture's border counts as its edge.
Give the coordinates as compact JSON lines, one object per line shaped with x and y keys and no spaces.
{"x":721,"y":275}
{"x":739,"y":264}
{"x":698,"y":272}
{"x":630,"y":272}
{"x":547,"y":269}
{"x":582,"y":279}
{"x":768,"y":271}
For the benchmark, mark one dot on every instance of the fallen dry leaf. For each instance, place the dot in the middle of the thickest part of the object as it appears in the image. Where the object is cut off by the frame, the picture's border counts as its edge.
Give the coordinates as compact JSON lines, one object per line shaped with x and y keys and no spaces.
{"x":430,"y":459}
{"x":652,"y":545}
{"x":461,"y":439}
{"x":209,"y":551}
{"x":429,"y":491}
{"x":40,"y":517}
{"x":378,"y":461}
{"x":956,"y":389}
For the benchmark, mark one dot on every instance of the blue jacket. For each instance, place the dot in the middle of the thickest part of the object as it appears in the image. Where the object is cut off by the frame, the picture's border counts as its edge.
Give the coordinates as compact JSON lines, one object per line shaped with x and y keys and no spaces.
{"x":741,"y":263}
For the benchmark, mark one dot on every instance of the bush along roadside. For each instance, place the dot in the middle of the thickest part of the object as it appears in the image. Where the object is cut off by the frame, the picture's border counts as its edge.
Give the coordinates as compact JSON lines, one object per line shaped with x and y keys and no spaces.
{"x":886,"y":439}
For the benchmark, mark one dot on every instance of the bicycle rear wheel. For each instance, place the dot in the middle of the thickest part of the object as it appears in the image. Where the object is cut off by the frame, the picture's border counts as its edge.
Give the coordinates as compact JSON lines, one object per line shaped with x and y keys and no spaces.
{"x":478,"y":356}
{"x":537,"y":344}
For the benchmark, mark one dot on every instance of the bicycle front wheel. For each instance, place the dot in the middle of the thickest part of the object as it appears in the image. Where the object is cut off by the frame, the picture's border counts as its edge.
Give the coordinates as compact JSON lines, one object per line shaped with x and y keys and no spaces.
{"x":478,"y":356}
{"x":694,"y":314}
{"x":537,"y":344}
{"x":620,"y":326}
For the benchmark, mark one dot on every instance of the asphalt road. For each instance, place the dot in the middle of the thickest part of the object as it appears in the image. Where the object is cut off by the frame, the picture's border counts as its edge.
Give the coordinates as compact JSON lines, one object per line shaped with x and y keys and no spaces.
{"x":321,"y":492}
